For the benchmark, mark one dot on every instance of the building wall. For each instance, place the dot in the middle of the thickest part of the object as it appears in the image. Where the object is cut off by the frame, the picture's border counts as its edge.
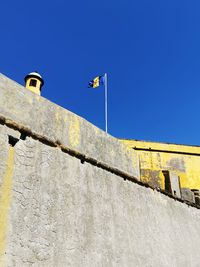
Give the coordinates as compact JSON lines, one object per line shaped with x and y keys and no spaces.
{"x":67,"y":199}
{"x":57,"y":211}
{"x":154,"y":157}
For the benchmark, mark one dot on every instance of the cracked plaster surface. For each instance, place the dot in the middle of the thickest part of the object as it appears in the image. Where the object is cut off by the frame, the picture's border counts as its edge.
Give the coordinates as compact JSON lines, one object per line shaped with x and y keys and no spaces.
{"x":65,"y":213}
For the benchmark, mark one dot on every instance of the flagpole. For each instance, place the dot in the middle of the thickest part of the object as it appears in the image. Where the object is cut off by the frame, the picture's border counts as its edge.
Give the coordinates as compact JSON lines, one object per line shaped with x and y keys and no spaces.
{"x":106,"y":102}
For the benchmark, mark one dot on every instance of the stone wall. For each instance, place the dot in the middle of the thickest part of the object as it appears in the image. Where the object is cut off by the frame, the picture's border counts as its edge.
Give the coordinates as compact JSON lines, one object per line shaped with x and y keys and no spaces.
{"x":64,"y":199}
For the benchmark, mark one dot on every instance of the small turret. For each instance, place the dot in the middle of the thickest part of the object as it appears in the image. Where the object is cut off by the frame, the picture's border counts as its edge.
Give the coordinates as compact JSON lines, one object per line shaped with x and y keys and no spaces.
{"x":34,"y":82}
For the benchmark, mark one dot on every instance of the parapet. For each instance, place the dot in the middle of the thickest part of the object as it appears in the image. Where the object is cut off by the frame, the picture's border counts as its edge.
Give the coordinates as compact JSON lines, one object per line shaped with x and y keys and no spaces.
{"x":40,"y":118}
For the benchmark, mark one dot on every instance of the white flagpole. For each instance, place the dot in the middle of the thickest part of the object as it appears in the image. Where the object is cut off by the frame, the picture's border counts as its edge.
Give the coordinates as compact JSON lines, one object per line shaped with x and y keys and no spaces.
{"x":106,"y":101}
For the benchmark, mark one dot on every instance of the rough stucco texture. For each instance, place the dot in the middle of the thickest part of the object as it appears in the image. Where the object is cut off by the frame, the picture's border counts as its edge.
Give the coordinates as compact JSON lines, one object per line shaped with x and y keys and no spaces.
{"x":65,"y":213}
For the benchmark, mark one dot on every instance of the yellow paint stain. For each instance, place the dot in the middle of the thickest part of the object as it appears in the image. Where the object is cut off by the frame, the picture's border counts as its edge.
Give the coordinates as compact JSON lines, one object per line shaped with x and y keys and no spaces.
{"x":74,"y":132}
{"x":30,"y":100}
{"x":97,"y":131}
{"x":145,"y":178}
{"x":162,"y":180}
{"x":5,"y":202}
{"x":58,"y":121}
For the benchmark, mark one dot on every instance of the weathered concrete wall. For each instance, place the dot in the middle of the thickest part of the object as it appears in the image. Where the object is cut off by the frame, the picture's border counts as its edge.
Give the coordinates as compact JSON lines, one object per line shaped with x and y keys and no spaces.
{"x":43,"y":119}
{"x":58,"y":210}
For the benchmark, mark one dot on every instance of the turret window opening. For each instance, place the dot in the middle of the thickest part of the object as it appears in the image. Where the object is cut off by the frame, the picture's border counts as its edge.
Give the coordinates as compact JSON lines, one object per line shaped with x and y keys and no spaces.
{"x":33,"y":82}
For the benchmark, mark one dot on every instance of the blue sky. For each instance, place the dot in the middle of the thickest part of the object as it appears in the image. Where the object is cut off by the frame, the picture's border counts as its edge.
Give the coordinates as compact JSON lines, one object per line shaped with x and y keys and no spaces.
{"x":150,"y":50}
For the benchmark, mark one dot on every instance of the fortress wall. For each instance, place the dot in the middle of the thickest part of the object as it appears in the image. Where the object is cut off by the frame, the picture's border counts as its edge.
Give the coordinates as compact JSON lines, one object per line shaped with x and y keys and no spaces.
{"x":44,"y":119}
{"x":57,"y":210}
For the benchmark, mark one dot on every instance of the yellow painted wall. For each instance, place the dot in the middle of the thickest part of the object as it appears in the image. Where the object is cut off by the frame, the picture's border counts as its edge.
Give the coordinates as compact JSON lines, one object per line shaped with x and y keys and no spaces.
{"x":155,"y":157}
{"x":5,"y":202}
{"x":33,"y":89}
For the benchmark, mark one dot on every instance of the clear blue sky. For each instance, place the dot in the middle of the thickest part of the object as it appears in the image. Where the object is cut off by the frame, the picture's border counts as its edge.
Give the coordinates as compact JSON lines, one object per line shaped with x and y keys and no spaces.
{"x":150,"y":50}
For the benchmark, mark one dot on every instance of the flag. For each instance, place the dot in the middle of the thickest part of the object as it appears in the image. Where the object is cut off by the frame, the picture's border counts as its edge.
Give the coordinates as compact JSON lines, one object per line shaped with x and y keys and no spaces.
{"x":96,"y":82}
